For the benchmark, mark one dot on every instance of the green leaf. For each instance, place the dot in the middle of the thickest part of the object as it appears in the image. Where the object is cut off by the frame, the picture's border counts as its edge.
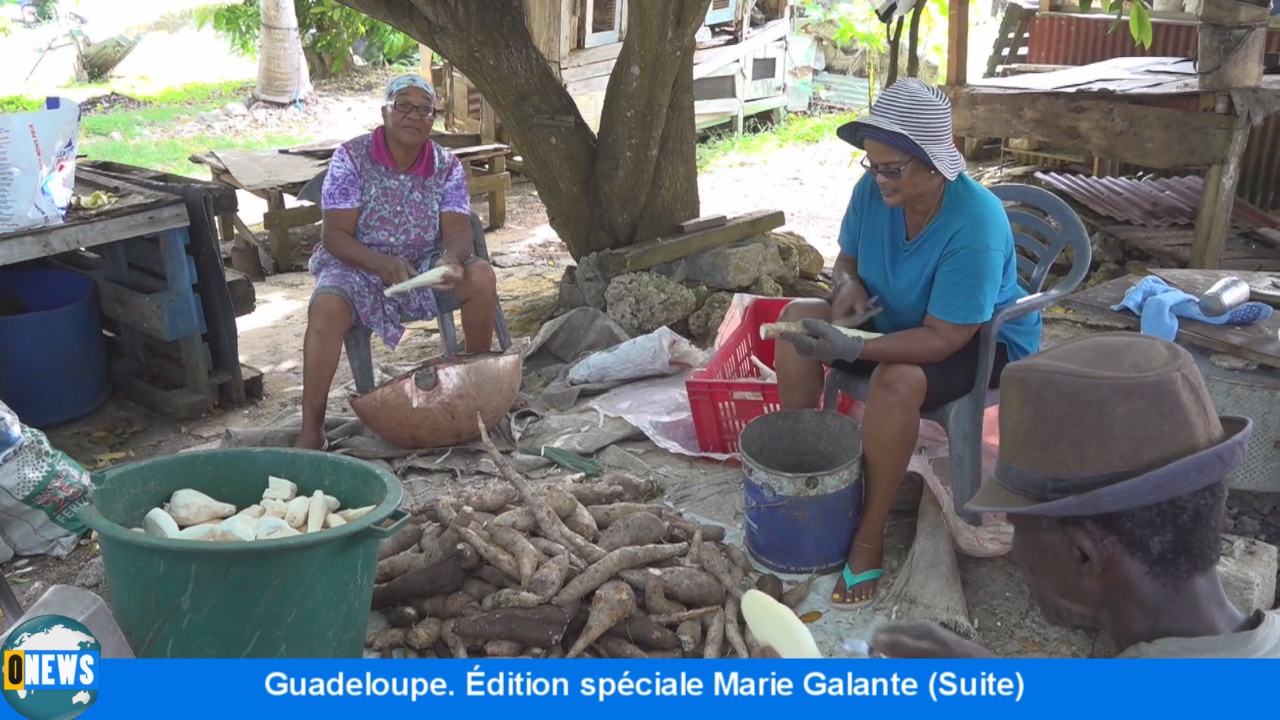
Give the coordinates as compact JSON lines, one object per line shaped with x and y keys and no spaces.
{"x":1086,"y":5}
{"x":1140,"y":24}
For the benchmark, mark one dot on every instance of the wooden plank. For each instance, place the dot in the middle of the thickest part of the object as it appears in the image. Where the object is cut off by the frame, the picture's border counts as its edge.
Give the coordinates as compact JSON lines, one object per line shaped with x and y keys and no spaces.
{"x":590,"y":56}
{"x":586,"y":87}
{"x":244,"y":298}
{"x":1151,"y":137}
{"x":543,"y":19}
{"x":578,"y":73}
{"x":706,"y":62}
{"x":1213,"y":221}
{"x":1258,"y":342}
{"x":58,"y":239}
{"x":674,"y":247}
{"x":269,"y":170}
{"x":702,"y":223}
{"x":179,"y":403}
{"x":568,"y":30}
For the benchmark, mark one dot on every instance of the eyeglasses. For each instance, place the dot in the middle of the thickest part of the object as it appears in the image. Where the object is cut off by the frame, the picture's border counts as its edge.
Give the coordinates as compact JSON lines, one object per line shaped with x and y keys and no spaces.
{"x":887,"y":172}
{"x":404,"y":107}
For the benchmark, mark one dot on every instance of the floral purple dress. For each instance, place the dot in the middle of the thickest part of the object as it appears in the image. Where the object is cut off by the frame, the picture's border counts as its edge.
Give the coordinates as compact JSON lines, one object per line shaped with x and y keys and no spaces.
{"x":400,"y":215}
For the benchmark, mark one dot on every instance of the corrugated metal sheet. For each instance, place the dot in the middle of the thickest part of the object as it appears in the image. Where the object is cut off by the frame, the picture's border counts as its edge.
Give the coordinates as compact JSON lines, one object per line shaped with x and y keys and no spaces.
{"x":844,"y":91}
{"x":1151,"y":203}
{"x":1071,"y":39}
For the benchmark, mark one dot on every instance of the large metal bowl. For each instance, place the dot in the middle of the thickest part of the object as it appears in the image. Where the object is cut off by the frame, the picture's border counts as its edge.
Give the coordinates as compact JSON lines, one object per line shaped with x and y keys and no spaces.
{"x":435,"y":404}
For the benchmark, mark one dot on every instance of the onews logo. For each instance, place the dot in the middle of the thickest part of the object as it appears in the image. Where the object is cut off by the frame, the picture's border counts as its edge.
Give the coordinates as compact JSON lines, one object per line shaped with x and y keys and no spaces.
{"x":51,"y":668}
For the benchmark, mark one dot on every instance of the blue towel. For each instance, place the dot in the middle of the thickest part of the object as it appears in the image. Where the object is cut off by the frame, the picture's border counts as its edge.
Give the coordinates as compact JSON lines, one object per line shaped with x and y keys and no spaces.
{"x":1160,"y":306}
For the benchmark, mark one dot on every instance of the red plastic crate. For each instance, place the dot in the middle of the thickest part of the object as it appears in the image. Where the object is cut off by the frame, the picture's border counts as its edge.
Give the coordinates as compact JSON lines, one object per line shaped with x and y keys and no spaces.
{"x":726,"y":395}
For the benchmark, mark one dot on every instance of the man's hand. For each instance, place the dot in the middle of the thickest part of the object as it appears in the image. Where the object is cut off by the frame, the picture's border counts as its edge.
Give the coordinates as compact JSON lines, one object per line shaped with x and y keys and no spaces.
{"x":453,"y":268}
{"x":849,"y":299}
{"x":393,"y":269}
{"x":924,"y":640}
{"x":824,"y":342}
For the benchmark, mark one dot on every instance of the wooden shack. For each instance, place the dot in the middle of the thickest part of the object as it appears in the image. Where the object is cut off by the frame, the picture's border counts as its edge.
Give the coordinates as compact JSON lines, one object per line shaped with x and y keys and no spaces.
{"x":739,"y":68}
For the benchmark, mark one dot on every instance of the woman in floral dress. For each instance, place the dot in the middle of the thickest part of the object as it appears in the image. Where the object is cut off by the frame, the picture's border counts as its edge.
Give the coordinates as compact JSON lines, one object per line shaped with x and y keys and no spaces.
{"x":395,"y":204}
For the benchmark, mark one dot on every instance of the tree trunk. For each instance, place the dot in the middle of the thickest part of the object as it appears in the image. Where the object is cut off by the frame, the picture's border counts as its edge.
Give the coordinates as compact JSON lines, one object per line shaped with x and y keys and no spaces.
{"x":895,"y":52}
{"x":913,"y":40}
{"x":634,"y":181}
{"x":283,"y":76}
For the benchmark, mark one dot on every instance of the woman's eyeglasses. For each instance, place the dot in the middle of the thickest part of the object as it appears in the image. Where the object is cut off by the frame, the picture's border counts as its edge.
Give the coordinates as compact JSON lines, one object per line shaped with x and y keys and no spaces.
{"x":404,"y":107}
{"x":890,"y":172}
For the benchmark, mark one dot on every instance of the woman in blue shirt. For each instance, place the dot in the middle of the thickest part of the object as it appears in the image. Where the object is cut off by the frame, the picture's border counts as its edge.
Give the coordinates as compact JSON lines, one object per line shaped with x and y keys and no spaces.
{"x":935,"y":249}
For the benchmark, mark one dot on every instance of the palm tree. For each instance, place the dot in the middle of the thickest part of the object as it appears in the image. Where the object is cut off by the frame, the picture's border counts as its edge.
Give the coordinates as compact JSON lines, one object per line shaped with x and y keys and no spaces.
{"x":282,"y":68}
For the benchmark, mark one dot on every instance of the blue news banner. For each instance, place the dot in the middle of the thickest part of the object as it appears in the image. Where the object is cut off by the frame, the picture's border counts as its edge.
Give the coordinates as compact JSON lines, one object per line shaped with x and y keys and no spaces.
{"x":192,"y":689}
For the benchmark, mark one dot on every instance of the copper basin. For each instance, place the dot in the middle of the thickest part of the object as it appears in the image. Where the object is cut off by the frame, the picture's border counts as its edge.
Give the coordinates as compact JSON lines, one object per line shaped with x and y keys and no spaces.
{"x":435,"y":404}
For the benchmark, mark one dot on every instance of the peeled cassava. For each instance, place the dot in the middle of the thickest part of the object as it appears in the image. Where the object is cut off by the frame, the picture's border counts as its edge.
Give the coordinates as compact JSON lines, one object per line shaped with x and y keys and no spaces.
{"x":281,"y":513}
{"x":775,"y":625}
{"x":191,"y":507}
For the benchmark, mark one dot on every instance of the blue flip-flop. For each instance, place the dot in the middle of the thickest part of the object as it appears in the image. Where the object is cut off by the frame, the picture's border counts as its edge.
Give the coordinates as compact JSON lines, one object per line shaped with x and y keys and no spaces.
{"x":851,"y":581}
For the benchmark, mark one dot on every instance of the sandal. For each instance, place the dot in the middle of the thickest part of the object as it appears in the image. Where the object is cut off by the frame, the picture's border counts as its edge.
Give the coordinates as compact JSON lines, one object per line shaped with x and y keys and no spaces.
{"x":850,"y":582}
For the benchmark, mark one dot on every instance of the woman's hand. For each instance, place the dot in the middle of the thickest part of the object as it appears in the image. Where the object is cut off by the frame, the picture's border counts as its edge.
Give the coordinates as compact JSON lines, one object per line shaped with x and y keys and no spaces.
{"x":453,"y":270}
{"x":849,"y":299}
{"x":393,"y":269}
{"x":824,"y":342}
{"x":924,"y":640}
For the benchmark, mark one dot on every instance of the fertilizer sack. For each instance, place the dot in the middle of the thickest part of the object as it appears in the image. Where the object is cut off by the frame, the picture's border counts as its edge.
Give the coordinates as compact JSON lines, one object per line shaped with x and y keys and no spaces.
{"x":38,"y":165}
{"x":41,"y":492}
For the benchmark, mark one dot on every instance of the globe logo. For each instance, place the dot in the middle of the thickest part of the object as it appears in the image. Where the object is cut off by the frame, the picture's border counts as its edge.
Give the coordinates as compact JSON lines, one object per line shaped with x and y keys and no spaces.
{"x":51,"y":668}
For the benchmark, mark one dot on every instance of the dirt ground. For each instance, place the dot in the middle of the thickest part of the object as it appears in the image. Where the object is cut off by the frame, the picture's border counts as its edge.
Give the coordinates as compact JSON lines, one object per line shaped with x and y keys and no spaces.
{"x":811,"y":184}
{"x":530,"y":261}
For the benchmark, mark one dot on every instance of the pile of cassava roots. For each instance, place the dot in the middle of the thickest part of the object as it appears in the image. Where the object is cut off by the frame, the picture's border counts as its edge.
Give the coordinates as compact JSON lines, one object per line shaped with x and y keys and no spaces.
{"x":579,"y":568}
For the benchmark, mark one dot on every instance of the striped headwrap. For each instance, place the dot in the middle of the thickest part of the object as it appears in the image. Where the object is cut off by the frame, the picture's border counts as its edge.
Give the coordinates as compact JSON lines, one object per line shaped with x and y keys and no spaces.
{"x":407,"y":81}
{"x":917,"y":112}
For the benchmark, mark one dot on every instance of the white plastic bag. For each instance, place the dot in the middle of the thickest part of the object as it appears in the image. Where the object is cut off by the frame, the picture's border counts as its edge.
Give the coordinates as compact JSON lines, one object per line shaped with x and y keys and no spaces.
{"x":38,"y":165}
{"x":661,"y":352}
{"x":41,"y":492}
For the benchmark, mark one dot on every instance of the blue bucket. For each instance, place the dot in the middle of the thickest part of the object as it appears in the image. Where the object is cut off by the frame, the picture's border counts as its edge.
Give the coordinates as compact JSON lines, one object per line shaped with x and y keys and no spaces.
{"x":802,"y":489}
{"x":53,"y":357}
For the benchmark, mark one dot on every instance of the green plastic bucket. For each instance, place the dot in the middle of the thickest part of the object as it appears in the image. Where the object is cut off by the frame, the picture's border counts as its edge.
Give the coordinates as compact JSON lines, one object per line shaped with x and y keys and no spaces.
{"x":298,"y":597}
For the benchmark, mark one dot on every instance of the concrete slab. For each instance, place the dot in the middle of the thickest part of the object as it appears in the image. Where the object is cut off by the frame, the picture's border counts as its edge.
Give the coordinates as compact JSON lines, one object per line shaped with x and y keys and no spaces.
{"x":1248,"y":571}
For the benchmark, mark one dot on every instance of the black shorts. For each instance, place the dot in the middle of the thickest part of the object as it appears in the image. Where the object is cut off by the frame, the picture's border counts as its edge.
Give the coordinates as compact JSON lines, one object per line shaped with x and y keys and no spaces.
{"x":947,"y":380}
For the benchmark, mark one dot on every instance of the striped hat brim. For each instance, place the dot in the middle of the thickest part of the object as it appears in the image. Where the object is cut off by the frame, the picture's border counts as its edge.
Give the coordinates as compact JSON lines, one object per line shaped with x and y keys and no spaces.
{"x":917,"y":111}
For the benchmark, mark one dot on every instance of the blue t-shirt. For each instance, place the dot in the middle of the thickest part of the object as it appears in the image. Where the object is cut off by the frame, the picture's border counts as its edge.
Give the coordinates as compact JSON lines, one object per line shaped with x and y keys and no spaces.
{"x":959,"y":269}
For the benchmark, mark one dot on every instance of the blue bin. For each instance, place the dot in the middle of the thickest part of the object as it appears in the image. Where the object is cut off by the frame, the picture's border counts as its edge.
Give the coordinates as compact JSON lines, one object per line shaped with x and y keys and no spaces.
{"x":53,"y":357}
{"x":802,"y":489}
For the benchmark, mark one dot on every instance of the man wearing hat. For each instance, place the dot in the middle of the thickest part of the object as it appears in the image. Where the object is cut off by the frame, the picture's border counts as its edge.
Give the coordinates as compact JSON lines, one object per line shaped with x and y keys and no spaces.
{"x":1112,"y":470}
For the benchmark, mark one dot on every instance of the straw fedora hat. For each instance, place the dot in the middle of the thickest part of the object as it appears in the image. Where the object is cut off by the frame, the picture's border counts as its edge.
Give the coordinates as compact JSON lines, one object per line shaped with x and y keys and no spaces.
{"x":1107,"y":423}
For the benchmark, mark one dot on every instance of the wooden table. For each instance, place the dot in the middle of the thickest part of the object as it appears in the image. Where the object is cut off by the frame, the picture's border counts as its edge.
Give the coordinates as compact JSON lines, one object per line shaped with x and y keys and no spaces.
{"x":1144,"y":111}
{"x":1259,"y":343}
{"x":272,"y":175}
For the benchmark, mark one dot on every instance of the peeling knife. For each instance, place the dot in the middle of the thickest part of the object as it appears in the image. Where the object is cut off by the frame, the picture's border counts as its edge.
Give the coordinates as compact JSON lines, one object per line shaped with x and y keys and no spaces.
{"x":874,"y":308}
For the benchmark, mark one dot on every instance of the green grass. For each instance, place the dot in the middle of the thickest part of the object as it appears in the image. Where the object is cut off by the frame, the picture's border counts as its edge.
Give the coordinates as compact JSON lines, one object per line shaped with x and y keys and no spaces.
{"x":171,"y":154}
{"x":128,"y":136}
{"x":795,"y":129}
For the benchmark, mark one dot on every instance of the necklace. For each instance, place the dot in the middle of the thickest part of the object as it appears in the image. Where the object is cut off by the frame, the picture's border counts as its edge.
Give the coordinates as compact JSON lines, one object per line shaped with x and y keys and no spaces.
{"x":937,"y":205}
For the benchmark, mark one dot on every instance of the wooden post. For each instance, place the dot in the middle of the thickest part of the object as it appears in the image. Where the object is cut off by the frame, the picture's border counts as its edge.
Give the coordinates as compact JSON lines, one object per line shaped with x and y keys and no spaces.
{"x":958,"y":49}
{"x":957,"y":43}
{"x":1213,"y":221}
{"x":424,"y":55}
